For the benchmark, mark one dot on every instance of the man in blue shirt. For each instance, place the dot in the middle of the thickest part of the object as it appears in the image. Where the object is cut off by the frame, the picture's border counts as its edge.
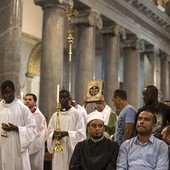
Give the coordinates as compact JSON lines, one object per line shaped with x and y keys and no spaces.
{"x":144,"y":152}
{"x":125,"y":126}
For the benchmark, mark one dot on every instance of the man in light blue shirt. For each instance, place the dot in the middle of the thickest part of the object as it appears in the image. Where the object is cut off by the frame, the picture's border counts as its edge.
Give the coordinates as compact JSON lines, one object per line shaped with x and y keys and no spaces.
{"x":144,"y":152}
{"x":125,"y":126}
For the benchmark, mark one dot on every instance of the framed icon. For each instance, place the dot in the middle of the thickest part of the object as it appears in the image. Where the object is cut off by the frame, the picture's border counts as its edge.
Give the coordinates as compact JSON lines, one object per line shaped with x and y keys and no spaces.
{"x":94,"y":90}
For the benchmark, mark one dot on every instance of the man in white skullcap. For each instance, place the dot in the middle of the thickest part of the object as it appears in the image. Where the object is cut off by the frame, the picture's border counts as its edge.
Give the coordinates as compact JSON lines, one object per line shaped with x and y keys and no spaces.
{"x":97,"y":152}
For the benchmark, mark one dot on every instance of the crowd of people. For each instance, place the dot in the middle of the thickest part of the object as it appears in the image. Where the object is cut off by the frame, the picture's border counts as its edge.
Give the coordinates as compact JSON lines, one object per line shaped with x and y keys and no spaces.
{"x":104,"y":139}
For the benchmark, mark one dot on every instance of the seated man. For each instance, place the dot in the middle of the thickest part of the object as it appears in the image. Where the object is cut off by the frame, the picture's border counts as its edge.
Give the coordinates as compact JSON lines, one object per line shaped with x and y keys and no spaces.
{"x":108,"y":114}
{"x":97,"y":152}
{"x":166,"y":138}
{"x":144,"y":152}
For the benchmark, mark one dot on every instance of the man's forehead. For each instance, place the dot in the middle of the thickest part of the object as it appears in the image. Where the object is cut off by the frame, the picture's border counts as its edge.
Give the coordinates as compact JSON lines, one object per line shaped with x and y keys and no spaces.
{"x":28,"y":97}
{"x":99,"y":102}
{"x":7,"y":88}
{"x":64,"y":95}
{"x":96,"y":121}
{"x":145,"y":114}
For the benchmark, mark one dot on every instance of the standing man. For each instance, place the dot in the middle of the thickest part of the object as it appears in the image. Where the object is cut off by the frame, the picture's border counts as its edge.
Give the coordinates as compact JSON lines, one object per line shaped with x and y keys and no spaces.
{"x":144,"y":152}
{"x":97,"y":152}
{"x":81,"y":109}
{"x":125,"y":127}
{"x":37,"y":147}
{"x":17,"y":132}
{"x":161,"y":110}
{"x":72,"y":130}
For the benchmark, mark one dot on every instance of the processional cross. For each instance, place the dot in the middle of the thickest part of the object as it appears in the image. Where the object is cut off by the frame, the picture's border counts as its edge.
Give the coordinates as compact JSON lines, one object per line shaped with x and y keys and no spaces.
{"x":69,"y":13}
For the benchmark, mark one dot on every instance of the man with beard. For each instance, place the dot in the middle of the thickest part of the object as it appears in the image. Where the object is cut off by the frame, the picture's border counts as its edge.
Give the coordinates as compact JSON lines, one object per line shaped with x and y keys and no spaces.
{"x":161,"y":110}
{"x":144,"y":152}
{"x":108,"y":114}
{"x":72,"y":130}
{"x":97,"y":152}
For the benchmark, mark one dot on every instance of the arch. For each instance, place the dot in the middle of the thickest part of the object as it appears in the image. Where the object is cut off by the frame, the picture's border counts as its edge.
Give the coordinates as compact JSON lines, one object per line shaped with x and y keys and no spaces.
{"x":34,"y":61}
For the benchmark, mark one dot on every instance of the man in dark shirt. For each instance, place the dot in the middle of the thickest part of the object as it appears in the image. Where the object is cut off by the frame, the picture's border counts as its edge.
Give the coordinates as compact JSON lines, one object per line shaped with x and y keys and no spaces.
{"x":97,"y":152}
{"x":161,"y":110}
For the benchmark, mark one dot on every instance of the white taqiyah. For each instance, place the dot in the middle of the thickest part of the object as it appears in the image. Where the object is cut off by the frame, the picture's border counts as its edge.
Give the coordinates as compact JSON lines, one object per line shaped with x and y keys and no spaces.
{"x":94,"y":115}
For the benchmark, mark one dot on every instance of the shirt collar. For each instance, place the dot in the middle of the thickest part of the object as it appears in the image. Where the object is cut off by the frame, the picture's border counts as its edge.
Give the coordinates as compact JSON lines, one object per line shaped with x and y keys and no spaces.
{"x":150,"y":140}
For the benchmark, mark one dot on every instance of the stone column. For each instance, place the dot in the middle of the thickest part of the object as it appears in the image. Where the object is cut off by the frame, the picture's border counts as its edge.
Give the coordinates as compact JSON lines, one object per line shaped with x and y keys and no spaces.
{"x":111,"y":56}
{"x":87,"y":22}
{"x":10,"y":41}
{"x":131,"y":77}
{"x":150,"y":65}
{"x":164,"y":77}
{"x":52,"y":55}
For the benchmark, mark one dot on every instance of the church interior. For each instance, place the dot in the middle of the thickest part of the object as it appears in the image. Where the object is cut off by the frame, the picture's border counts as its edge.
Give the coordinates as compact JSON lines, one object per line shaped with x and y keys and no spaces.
{"x":124,"y":43}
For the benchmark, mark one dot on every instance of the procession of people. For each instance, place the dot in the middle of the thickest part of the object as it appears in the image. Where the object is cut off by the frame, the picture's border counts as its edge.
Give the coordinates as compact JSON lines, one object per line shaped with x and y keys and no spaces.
{"x":104,"y":139}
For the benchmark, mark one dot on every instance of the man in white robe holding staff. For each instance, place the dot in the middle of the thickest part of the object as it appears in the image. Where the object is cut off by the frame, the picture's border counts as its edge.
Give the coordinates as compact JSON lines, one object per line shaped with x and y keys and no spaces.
{"x":18,"y":129}
{"x":72,"y":130}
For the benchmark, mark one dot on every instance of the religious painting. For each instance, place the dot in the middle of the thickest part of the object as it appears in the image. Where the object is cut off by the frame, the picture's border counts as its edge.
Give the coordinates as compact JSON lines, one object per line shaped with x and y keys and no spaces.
{"x":94,"y":90}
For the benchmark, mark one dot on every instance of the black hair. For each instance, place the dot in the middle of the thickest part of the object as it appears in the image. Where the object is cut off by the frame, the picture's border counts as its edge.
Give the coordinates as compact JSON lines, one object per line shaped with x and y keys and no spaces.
{"x":152,"y":111}
{"x":120,"y":93}
{"x":9,"y":84}
{"x":33,"y":95}
{"x":153,"y":89}
{"x":66,"y":92}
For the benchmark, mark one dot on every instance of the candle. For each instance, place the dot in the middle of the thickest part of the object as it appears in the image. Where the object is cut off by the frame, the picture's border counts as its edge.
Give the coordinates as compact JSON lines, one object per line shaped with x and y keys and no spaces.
{"x":58,"y":89}
{"x":22,"y":95}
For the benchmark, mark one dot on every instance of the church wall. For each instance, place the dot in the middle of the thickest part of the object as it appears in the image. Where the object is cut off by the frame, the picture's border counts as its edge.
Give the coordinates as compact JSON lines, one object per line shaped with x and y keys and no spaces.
{"x":28,"y":83}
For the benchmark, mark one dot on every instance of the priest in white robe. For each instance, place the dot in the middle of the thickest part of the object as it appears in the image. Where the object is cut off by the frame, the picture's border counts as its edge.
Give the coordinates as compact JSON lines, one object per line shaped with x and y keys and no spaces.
{"x":37,"y":147}
{"x":17,"y":130}
{"x":72,"y":130}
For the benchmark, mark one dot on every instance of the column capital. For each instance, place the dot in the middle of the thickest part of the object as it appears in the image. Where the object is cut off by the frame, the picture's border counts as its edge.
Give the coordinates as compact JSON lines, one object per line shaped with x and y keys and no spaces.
{"x":149,"y":48}
{"x":134,"y":42}
{"x":115,"y":30}
{"x":53,"y":3}
{"x":163,"y":55}
{"x":89,"y":17}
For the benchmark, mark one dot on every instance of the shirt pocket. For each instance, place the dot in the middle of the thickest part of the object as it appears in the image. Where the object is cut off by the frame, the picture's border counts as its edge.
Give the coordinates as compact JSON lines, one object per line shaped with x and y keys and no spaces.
{"x":151,"y":159}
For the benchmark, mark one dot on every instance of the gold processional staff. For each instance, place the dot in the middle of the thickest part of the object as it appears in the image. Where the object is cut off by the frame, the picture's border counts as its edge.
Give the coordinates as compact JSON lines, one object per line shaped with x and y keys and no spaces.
{"x":69,"y":13}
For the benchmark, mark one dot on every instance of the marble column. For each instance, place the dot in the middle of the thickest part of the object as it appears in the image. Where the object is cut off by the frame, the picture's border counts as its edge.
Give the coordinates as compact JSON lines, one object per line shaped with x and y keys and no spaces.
{"x":87,"y":23}
{"x":111,"y":56}
{"x":150,"y":64}
{"x":131,"y":77}
{"x":52,"y":55}
{"x":10,"y":41}
{"x":164,"y":77}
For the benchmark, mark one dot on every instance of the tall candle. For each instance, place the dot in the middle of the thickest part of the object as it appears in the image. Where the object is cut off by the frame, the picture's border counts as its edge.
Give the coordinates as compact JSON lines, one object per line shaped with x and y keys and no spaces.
{"x":22,"y":95}
{"x":58,"y":89}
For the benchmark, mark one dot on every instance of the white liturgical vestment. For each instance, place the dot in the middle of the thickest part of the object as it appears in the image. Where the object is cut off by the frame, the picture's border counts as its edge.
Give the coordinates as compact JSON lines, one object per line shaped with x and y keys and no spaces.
{"x":37,"y":147}
{"x":71,"y":121}
{"x":14,"y":148}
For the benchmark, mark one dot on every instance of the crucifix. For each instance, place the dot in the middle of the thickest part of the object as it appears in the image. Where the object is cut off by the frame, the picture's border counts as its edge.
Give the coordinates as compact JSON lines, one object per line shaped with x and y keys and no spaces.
{"x":69,"y":13}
